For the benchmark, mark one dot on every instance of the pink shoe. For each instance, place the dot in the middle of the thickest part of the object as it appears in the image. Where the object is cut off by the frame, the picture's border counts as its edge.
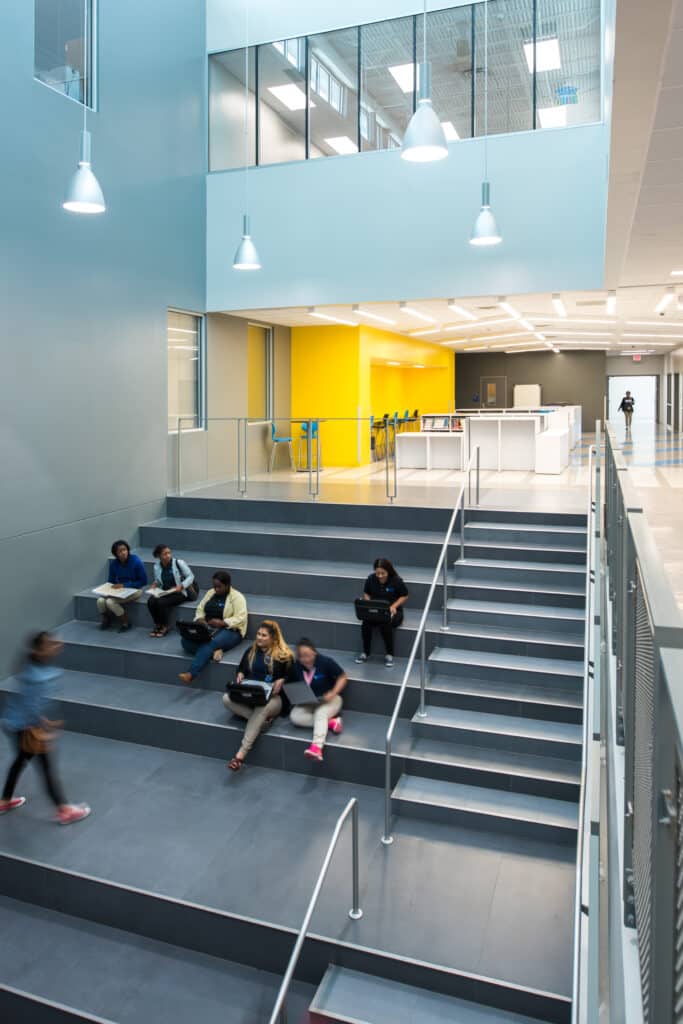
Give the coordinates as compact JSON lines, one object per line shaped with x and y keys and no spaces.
{"x":72,"y":812}
{"x":11,"y":805}
{"x":336,"y":725}
{"x":314,"y":752}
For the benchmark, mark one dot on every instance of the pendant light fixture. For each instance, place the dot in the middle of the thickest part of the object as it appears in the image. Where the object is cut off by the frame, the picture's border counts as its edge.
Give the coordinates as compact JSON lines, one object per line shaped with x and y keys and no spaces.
{"x":246,"y":256}
{"x":485,"y":231}
{"x":424,"y":140}
{"x":84,"y":194}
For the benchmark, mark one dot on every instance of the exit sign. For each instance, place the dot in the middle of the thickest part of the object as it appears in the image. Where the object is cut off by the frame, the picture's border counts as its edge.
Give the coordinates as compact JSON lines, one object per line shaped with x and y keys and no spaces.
{"x":637,"y":358}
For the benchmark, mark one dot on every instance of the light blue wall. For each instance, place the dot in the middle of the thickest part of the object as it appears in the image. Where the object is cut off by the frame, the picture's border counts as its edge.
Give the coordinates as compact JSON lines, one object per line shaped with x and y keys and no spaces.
{"x":83,"y":299}
{"x":373,"y":227}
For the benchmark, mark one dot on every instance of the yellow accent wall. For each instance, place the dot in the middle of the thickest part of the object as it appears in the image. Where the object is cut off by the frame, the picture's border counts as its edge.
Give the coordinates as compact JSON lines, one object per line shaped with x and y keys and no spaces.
{"x":342,"y":371}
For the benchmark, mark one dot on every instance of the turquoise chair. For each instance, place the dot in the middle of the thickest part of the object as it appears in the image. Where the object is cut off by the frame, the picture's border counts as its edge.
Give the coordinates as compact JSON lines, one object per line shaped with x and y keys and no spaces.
{"x":276,"y":441}
{"x":315,"y":438}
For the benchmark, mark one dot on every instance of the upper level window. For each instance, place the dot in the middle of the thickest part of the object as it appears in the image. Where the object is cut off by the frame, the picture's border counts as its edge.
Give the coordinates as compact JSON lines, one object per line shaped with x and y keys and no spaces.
{"x":185,"y":371}
{"x":62,"y":53}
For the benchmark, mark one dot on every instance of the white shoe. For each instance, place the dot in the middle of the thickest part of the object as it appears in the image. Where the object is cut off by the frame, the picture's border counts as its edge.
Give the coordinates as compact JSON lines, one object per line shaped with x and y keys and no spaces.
{"x":388,"y":661}
{"x":361,"y":659}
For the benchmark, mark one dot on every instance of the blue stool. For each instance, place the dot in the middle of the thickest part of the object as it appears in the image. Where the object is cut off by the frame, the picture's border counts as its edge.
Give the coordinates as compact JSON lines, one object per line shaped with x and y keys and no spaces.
{"x":303,"y":440}
{"x":276,"y":441}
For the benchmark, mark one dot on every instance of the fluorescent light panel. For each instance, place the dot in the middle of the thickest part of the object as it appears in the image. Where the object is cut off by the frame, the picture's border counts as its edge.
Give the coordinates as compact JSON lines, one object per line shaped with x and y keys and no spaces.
{"x":644,"y":334}
{"x":291,"y":96}
{"x":655,"y":323}
{"x":405,"y":308}
{"x":342,"y":144}
{"x":572,"y":320}
{"x":507,"y":307}
{"x":559,"y":306}
{"x":372,"y":316}
{"x":403,"y":75}
{"x":666,"y":299}
{"x":422,"y":334}
{"x":332,"y":319}
{"x":547,"y":55}
{"x":461,"y":311}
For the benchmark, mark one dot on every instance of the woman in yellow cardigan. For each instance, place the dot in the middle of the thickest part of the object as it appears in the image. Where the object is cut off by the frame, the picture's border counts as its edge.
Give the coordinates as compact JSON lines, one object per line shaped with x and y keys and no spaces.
{"x":224,"y":610}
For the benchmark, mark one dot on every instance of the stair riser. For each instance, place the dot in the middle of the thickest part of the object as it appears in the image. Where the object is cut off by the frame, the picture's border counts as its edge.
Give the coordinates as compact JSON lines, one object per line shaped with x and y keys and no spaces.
{"x":508,"y":620}
{"x":497,"y":552}
{"x":467,"y":590}
{"x":570,"y":576}
{"x":508,"y":782}
{"x":499,"y":741}
{"x":499,"y":705}
{"x":487,"y":822}
{"x":492,"y":515}
{"x":458,"y":637}
{"x":519,"y":537}
{"x":24,"y":1008}
{"x":299,"y":545}
{"x":254,"y":943}
{"x":502,"y":674}
{"x":382,"y":517}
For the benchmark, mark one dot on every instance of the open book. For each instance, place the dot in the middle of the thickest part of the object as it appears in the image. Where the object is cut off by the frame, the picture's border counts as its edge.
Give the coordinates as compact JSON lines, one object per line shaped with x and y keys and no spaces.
{"x":158,"y":592}
{"x":108,"y":590}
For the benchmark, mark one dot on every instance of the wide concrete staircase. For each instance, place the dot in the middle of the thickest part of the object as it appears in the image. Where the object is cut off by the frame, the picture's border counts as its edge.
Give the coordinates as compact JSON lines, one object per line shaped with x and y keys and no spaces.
{"x":180,"y":897}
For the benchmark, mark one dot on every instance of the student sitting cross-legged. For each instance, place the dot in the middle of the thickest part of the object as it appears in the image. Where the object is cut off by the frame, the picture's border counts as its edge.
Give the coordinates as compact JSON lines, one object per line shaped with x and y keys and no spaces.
{"x":326,"y":680}
{"x":224,"y":610}
{"x":268,"y":660}
{"x":126,"y":571}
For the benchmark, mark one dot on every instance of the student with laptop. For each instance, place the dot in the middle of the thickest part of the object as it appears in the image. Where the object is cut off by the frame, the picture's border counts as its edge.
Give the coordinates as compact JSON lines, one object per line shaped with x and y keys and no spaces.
{"x":316,"y":695}
{"x":268,"y":661}
{"x":220,"y":622}
{"x":386,"y":593}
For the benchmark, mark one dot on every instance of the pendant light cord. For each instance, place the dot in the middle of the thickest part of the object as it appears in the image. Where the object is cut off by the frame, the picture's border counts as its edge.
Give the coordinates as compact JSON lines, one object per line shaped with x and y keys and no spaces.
{"x":424,"y":34}
{"x":486,"y":90}
{"x":86,"y":47}
{"x":246,"y":108}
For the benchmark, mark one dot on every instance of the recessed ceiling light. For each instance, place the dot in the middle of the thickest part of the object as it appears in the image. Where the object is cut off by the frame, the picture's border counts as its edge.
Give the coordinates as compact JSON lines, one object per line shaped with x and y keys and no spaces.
{"x":372,"y":316}
{"x":292,"y":96}
{"x":342,"y":144}
{"x":507,"y":307}
{"x":552,"y":117}
{"x":475,"y":348}
{"x":677,"y":273}
{"x":431,"y":330}
{"x":539,"y":348}
{"x":571,"y":320}
{"x":611,"y":304}
{"x":403,"y":75}
{"x":580,"y":334}
{"x":667,"y":298}
{"x":637,"y":334}
{"x":461,"y":311}
{"x":405,"y":308}
{"x":312,"y":311}
{"x":559,"y":305}
{"x":547,"y":55}
{"x":663,"y":344}
{"x":450,"y":131}
{"x":668,"y":324}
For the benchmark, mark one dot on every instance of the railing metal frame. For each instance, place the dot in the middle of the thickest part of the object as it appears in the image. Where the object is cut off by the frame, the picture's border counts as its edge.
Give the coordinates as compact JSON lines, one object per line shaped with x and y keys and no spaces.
{"x":355,"y":913}
{"x":419,"y":643}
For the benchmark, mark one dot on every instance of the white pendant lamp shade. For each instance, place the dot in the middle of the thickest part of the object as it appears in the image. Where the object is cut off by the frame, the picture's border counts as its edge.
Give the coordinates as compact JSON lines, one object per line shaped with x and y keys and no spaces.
{"x":424,"y":140}
{"x":485,"y":231}
{"x":84,"y":194}
{"x":246,"y":257}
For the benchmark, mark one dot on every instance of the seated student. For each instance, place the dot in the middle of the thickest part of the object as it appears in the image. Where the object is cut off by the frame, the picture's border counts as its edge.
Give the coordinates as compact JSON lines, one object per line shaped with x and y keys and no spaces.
{"x":224,"y":610}
{"x":327,"y":680}
{"x":173,"y":575}
{"x":383,"y":584}
{"x":268,"y":660}
{"x":125,"y":570}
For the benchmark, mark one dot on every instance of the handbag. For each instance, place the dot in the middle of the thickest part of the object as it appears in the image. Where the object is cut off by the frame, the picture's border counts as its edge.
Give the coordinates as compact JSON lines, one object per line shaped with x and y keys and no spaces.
{"x":192,"y":590}
{"x":37,"y":739}
{"x":250,"y":692}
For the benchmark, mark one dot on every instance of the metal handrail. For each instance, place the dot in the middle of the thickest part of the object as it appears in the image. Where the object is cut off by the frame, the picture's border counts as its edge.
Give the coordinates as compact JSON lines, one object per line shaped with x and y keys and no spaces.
{"x":588,"y":647}
{"x":441,"y":566}
{"x":355,"y":913}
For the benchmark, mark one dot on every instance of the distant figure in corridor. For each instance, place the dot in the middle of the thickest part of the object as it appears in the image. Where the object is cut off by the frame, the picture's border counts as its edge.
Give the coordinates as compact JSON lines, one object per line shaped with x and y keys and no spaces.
{"x":32,"y":731}
{"x":627,"y":404}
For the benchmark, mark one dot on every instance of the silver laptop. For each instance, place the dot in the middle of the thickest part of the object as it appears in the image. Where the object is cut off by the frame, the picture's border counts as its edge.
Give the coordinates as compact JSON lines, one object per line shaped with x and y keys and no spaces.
{"x":301,"y":693}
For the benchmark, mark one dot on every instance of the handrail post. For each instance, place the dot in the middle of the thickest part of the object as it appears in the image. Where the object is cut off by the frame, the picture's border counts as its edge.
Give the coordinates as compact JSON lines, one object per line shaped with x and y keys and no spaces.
{"x":246,"y":456}
{"x":355,"y":913}
{"x":239,"y":456}
{"x":477,"y":450}
{"x":317,"y":458}
{"x":462,"y":531}
{"x":422,"y":711}
{"x":178,"y":430}
{"x":395,"y":494}
{"x":309,"y":455}
{"x":444,"y":583}
{"x":387,"y":838}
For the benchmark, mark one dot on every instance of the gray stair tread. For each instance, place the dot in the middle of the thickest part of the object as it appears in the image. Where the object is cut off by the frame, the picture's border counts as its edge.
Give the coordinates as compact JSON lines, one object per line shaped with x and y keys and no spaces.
{"x":488,"y":759}
{"x":493,"y":563}
{"x":494,"y":524}
{"x":349,"y":996}
{"x":514,"y":690}
{"x":520,"y":546}
{"x":295,"y":530}
{"x":530,"y":636}
{"x":301,"y":566}
{"x":482,"y":721}
{"x":496,"y":607}
{"x":519,"y":662}
{"x":518,"y":588}
{"x":457,"y":796}
{"x":133,"y":980}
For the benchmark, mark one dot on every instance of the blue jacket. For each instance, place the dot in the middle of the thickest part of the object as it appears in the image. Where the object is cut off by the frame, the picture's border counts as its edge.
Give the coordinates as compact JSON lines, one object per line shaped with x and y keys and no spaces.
{"x":132,"y":574}
{"x":326,"y":672}
{"x":33,"y":698}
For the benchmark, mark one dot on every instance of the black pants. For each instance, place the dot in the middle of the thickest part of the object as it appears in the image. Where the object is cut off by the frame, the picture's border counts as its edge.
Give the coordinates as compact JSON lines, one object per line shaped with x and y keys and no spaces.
{"x":386,"y":631}
{"x":52,"y":783}
{"x":159,"y":607}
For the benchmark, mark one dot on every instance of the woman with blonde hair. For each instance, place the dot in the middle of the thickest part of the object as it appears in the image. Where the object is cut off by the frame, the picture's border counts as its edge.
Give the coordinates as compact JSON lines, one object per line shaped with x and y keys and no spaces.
{"x":268,"y":660}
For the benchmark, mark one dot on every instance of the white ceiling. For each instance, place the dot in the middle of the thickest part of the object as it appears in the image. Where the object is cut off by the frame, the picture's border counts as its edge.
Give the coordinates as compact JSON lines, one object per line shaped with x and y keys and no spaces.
{"x":635,"y":315}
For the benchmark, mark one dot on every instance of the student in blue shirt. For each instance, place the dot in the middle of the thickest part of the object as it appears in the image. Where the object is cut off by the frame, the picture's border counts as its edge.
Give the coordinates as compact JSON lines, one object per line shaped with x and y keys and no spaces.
{"x":327,"y":680}
{"x":125,"y":570}
{"x":27,"y":721}
{"x":383,"y":584}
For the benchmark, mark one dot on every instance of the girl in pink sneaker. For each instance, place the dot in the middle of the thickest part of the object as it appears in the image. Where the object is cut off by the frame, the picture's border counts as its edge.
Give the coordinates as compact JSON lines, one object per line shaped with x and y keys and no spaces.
{"x":326,"y":680}
{"x":32,"y":732}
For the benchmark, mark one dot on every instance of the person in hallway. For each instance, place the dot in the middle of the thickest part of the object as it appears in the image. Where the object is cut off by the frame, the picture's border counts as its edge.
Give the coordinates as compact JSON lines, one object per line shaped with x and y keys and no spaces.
{"x":383,"y":584}
{"x":27,"y":720}
{"x":125,"y":571}
{"x":627,"y":404}
{"x":224,"y":610}
{"x":176,"y":579}
{"x":268,"y":660}
{"x":327,"y":681}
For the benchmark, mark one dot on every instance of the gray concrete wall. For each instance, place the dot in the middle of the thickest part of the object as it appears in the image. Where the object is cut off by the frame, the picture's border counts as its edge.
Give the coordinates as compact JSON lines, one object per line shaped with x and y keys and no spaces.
{"x":83,"y":299}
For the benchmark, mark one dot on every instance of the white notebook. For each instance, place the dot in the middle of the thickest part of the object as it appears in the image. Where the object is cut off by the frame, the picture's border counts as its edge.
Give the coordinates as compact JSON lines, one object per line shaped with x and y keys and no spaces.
{"x":108,"y":590}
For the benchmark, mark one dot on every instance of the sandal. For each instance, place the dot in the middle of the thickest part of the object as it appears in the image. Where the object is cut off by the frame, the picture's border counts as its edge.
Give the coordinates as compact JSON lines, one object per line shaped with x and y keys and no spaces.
{"x":218,"y":654}
{"x":155,"y":632}
{"x":162,"y":631}
{"x":235,"y":764}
